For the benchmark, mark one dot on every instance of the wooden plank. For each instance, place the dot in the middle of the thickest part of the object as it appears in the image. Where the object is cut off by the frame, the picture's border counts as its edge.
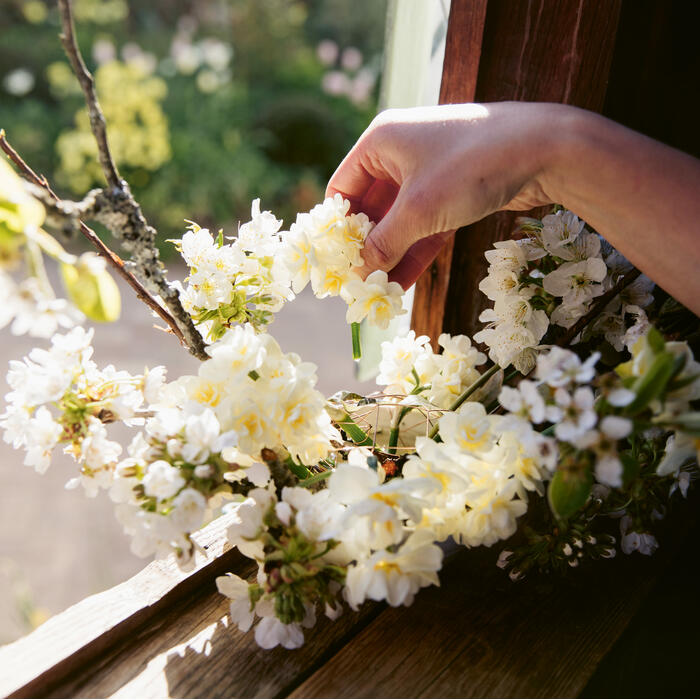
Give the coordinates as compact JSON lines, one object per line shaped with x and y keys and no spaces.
{"x":195,"y":651}
{"x":480,"y":635}
{"x":33,"y":665}
{"x":534,"y":51}
{"x":459,"y":74}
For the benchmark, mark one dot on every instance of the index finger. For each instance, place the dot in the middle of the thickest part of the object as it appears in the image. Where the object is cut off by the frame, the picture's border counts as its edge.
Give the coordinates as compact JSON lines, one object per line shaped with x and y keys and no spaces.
{"x":356,"y":174}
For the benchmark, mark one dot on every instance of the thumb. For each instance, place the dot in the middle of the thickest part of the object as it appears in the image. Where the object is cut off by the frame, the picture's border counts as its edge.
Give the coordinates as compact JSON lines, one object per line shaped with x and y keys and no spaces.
{"x":389,"y":240}
{"x":418,"y":258}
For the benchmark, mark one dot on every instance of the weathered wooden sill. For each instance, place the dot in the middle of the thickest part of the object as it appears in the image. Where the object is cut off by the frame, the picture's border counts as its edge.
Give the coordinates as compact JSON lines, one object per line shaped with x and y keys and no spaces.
{"x":167,"y":634}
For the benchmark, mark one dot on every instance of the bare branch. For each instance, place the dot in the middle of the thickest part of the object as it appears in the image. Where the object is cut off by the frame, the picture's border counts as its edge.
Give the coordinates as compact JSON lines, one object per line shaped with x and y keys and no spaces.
{"x":112,"y":258}
{"x":600,"y":303}
{"x":116,"y":207}
{"x":97,"y":120}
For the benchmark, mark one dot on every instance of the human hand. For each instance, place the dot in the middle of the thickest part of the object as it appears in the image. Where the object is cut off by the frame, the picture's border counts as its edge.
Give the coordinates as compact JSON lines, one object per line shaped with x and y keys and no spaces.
{"x":422,"y":173}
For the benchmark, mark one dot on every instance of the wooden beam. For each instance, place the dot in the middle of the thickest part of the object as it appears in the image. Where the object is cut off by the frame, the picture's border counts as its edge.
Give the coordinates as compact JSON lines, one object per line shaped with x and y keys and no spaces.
{"x":459,"y":74}
{"x":534,"y":51}
{"x":78,"y":637}
{"x":478,"y":635}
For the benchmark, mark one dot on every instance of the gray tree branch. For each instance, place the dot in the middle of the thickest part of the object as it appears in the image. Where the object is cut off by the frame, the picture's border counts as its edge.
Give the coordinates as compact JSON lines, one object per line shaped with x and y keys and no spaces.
{"x":116,"y":208}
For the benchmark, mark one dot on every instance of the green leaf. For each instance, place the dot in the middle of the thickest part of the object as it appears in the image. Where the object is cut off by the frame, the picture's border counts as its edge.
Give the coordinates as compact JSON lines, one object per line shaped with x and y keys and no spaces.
{"x":688,"y":423}
{"x":568,"y":491}
{"x":653,"y":383}
{"x":354,"y":432}
{"x":676,"y":384}
{"x":92,"y":290}
{"x":656,"y":340}
{"x":299,"y":470}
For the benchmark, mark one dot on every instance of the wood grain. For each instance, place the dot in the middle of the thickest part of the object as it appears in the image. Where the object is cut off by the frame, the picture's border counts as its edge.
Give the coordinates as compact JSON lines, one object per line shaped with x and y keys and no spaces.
{"x":72,"y":640}
{"x":480,"y":635}
{"x":195,"y":651}
{"x":459,"y":75}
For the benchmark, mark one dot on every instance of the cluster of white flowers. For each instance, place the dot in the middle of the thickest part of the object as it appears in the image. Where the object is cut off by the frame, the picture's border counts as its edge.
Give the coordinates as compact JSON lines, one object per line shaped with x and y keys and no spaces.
{"x":552,"y":275}
{"x":562,"y":395}
{"x":484,"y":467}
{"x":358,"y":539}
{"x":263,"y":267}
{"x":59,"y":396}
{"x":409,"y":366}
{"x":209,"y":432}
{"x":323,"y":246}
{"x":266,"y":397}
{"x":367,"y":538}
{"x":244,"y":281}
{"x":178,"y":470}
{"x":29,"y":308}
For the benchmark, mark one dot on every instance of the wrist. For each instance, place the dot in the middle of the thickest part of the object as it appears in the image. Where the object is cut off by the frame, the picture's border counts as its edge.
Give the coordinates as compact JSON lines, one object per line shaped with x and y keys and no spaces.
{"x":562,"y":129}
{"x":577,"y":141}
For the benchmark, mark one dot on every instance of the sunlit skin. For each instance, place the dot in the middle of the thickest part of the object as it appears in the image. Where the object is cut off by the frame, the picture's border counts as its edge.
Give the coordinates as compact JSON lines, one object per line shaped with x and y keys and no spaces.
{"x":422,"y":173}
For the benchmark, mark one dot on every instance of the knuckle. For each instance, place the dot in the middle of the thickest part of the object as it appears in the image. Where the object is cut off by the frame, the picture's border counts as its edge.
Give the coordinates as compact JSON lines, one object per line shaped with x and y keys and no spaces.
{"x":376,"y":254}
{"x":386,"y":116}
{"x":385,"y":124}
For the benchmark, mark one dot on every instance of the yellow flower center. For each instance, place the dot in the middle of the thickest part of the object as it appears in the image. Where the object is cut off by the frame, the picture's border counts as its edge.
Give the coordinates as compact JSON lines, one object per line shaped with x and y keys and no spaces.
{"x":208,"y":393}
{"x":387,"y":566}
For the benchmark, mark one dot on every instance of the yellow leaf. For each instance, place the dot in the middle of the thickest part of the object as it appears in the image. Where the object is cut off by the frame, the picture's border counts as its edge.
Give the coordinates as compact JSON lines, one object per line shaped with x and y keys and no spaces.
{"x":92,"y":289}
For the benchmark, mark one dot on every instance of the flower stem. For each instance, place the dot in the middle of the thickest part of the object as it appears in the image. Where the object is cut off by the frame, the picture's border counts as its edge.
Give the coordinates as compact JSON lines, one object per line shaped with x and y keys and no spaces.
{"x":466,"y":394}
{"x":315,"y":478}
{"x":400,"y":415}
{"x":354,"y":432}
{"x":356,"y":346}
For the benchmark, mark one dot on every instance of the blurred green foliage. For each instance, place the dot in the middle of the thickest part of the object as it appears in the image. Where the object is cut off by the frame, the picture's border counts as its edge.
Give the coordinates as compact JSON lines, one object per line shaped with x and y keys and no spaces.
{"x":209,"y":103}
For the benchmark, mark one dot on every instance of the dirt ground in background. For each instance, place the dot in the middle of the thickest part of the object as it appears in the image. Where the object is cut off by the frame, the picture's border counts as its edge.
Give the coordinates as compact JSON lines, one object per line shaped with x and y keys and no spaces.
{"x":57,"y":546}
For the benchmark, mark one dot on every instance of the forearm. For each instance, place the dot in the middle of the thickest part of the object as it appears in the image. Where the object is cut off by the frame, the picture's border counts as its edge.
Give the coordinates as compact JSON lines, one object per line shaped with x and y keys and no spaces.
{"x":640,"y":195}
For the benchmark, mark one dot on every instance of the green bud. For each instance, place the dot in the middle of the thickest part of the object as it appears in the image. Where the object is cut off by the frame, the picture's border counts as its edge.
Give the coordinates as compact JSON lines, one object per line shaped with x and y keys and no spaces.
{"x":652,"y":383}
{"x":569,"y":490}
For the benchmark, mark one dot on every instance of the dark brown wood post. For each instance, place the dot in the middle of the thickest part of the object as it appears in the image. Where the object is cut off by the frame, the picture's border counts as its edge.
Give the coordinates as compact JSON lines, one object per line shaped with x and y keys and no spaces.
{"x":460,"y":68}
{"x":539,"y":50}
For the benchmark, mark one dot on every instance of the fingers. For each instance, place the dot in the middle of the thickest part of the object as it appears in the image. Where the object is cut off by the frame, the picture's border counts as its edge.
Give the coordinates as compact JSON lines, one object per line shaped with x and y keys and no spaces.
{"x":389,"y":240}
{"x":418,"y":257}
{"x":378,"y":199}
{"x":351,"y":180}
{"x":358,"y":172}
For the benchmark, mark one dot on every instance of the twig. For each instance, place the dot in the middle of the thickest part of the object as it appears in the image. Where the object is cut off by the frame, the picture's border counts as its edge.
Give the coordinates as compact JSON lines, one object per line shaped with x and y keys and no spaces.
{"x":112,"y":258}
{"x":97,"y":120}
{"x":116,"y":207}
{"x":600,"y":303}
